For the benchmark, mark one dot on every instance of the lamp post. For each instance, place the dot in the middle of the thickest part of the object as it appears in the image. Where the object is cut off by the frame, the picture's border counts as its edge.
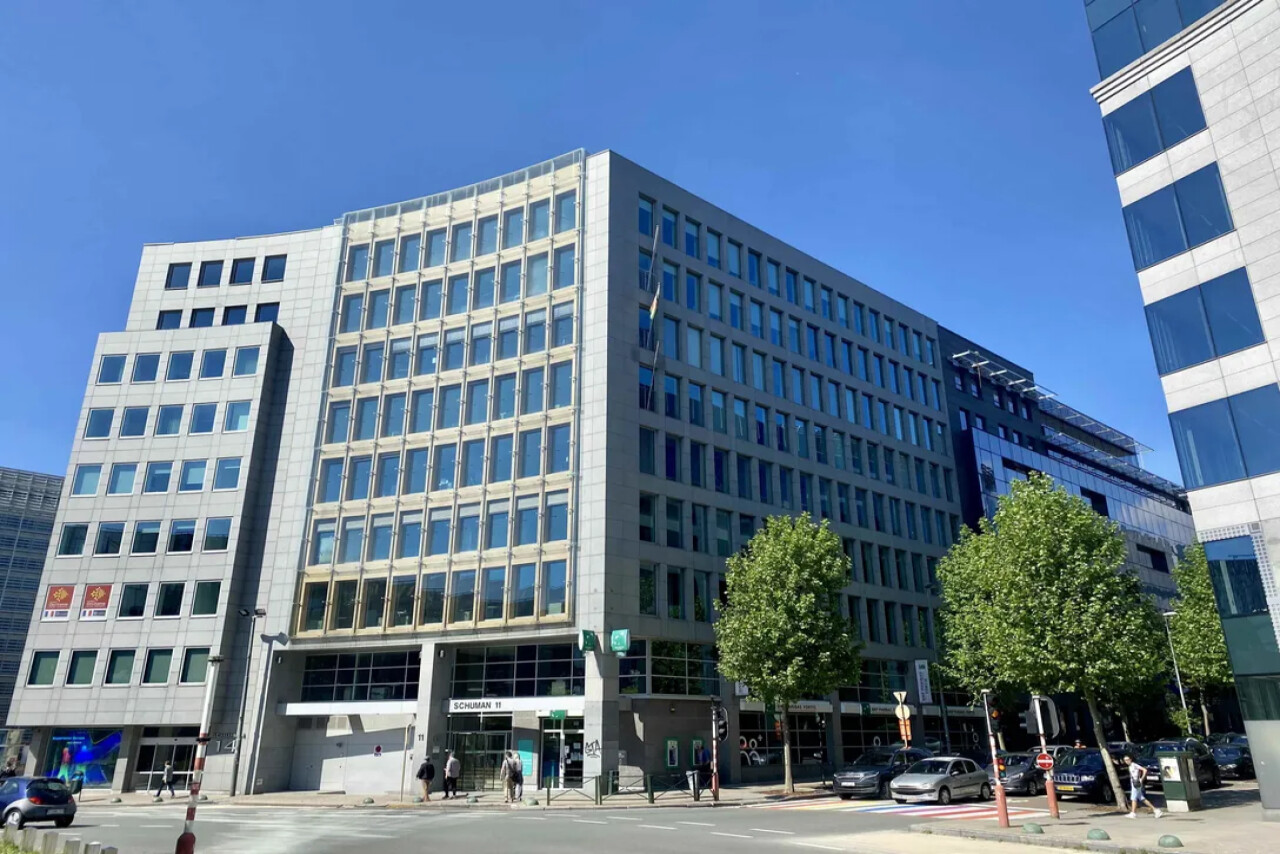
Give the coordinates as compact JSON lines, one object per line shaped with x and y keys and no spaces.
{"x":1177,"y":676}
{"x":253,"y":616}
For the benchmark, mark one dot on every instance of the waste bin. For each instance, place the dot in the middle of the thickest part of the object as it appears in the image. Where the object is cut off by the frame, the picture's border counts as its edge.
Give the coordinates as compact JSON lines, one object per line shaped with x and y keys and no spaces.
{"x":1178,"y":777}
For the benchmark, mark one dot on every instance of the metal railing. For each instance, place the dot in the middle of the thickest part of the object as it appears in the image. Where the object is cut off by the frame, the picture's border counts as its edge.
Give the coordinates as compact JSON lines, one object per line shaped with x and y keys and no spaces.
{"x":641,"y":788}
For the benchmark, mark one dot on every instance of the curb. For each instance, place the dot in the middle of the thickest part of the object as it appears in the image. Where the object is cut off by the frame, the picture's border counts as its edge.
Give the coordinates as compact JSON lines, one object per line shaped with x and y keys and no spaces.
{"x":1041,"y":841}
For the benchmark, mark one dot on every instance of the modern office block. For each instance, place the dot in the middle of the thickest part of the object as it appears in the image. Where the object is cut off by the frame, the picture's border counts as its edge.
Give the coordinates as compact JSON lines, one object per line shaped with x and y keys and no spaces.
{"x":1189,"y":98}
{"x":28,"y":503}
{"x":464,"y":431}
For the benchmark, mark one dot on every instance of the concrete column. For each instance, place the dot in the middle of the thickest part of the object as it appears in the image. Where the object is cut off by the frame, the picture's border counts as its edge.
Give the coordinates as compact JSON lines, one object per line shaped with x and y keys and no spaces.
{"x":121,"y":779}
{"x":433,"y":694}
{"x":601,"y":720}
{"x":36,"y":750}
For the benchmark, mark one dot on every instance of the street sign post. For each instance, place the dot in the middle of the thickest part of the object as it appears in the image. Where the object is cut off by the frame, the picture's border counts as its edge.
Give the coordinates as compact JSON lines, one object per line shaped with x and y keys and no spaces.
{"x":719,"y":729}
{"x":1041,"y":705}
{"x":1002,"y":806}
{"x":903,"y":713}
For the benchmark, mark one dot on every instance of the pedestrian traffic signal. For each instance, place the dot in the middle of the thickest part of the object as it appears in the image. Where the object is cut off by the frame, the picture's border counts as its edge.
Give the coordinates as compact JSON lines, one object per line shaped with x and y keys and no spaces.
{"x":722,"y":723}
{"x":995,"y":714}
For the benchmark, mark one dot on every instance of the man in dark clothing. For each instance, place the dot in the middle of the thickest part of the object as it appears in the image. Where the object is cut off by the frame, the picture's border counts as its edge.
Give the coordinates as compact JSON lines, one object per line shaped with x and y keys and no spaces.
{"x":426,"y":773}
{"x":10,"y":769}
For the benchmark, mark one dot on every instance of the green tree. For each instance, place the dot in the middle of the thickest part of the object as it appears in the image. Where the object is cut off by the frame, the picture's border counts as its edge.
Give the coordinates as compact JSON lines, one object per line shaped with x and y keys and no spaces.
{"x":1036,"y":601}
{"x":781,"y":630}
{"x":1195,"y":631}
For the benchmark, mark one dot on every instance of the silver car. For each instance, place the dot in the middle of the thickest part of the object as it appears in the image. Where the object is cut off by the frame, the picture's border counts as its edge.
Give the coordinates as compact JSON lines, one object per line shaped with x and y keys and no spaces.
{"x":941,"y":779}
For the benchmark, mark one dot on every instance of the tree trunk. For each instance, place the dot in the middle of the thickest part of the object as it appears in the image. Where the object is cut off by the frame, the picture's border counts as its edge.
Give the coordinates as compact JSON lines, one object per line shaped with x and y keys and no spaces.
{"x":787,"y":782}
{"x":1204,"y":712}
{"x":1101,"y":737}
{"x":1124,"y":725}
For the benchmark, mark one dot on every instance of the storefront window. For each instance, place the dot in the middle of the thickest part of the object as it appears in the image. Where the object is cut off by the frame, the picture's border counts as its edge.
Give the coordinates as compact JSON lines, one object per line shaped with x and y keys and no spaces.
{"x":544,"y":670}
{"x":361,"y":676}
{"x":88,"y":754}
{"x":760,"y":740}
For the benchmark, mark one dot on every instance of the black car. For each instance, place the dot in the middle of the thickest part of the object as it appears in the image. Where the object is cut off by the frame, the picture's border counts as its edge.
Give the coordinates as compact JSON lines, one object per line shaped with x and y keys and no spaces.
{"x":1235,"y":761}
{"x":1207,"y":772}
{"x":870,"y":773}
{"x":1018,"y":773}
{"x":1082,"y":774}
{"x":1235,"y":738}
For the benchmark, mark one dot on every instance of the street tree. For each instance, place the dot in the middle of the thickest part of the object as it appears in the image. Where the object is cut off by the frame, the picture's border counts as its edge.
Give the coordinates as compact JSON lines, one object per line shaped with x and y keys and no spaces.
{"x":781,"y":630}
{"x":1037,"y":601}
{"x":1196,"y":631}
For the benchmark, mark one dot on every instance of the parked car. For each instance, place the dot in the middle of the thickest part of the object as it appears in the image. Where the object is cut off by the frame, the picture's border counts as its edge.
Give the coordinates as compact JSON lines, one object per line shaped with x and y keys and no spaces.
{"x":24,"y":799}
{"x":1235,"y":761}
{"x":941,"y":779}
{"x":1082,"y":774}
{"x":1207,"y":772}
{"x":1056,"y":750}
{"x":982,"y":758}
{"x":870,"y":773}
{"x":1018,"y":773}
{"x":1123,"y":747}
{"x":1227,"y":738}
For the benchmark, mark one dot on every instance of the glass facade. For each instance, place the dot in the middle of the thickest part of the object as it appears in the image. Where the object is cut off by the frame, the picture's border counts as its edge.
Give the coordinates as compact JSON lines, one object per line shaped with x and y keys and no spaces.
{"x":1124,"y":30}
{"x":1154,"y":121}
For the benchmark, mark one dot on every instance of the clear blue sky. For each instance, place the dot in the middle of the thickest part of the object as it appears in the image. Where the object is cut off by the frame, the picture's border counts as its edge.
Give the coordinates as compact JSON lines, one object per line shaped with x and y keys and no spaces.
{"x":947,"y":153}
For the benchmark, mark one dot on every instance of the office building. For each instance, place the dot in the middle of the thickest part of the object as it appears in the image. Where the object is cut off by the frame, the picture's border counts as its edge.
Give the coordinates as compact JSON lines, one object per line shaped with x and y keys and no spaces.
{"x":1005,"y":425}
{"x":28,"y":502}
{"x":1189,"y":97}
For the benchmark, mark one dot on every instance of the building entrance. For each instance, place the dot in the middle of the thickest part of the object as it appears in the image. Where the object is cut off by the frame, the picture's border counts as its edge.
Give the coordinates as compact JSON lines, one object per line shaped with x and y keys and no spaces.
{"x":155,"y":751}
{"x":562,"y":752}
{"x":479,"y":742}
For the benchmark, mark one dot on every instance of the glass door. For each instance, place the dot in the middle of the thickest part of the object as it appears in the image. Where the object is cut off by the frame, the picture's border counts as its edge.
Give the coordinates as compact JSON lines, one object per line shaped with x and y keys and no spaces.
{"x":562,"y":753}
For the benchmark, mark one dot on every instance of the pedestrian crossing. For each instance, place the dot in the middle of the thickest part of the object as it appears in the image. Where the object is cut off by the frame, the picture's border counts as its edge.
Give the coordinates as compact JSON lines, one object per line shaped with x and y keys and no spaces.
{"x":969,"y":811}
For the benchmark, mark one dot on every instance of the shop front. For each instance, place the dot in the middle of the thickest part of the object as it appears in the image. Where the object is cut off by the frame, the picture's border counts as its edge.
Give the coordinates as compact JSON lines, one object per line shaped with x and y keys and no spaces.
{"x":547,"y":733}
{"x":89,"y":755}
{"x":760,"y":745}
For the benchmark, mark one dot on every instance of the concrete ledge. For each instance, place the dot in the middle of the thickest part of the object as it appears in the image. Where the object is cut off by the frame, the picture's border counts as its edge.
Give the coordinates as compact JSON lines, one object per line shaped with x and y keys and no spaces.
{"x":1045,"y":841}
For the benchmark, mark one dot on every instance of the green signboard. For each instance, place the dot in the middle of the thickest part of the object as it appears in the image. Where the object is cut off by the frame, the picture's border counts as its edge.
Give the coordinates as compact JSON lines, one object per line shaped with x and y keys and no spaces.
{"x":620,"y":641}
{"x":558,"y":714}
{"x":587,"y":641}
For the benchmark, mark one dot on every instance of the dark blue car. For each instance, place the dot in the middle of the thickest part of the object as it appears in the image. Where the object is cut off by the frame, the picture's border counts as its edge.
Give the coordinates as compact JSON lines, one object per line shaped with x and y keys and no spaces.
{"x":24,"y":799}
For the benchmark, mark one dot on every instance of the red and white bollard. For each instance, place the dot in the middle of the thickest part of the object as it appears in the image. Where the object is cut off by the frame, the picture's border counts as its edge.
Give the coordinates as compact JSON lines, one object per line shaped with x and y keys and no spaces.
{"x":187,"y":841}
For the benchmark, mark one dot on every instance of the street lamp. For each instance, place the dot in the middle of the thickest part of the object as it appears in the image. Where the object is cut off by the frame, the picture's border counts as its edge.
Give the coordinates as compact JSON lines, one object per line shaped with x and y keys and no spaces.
{"x":252,"y":615}
{"x":1182,"y":695}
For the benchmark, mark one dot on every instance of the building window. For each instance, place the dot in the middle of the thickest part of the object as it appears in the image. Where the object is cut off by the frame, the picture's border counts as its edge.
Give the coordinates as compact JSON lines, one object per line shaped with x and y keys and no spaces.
{"x":242,"y":271}
{"x":171,"y":319}
{"x":1237,"y":582}
{"x":195,"y":666}
{"x":210,"y":274}
{"x":217,"y":534}
{"x":1124,"y":30}
{"x":119,"y":667}
{"x":1191,"y":211}
{"x":205,"y":601}
{"x":156,"y":670}
{"x":273,"y":268}
{"x":43,"y":667}
{"x":182,"y":535}
{"x":1205,"y":322}
{"x":266,"y":312}
{"x":1154,"y":121}
{"x":177,"y":277}
{"x":1229,"y":439}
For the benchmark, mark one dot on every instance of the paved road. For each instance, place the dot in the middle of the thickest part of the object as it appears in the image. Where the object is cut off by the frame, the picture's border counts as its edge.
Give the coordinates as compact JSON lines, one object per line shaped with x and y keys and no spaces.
{"x":827,"y":824}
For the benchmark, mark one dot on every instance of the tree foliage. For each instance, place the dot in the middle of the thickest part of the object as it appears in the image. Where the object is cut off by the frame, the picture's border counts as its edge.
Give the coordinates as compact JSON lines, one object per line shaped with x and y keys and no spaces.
{"x":1196,"y":631}
{"x":781,"y":629}
{"x":1036,"y":601}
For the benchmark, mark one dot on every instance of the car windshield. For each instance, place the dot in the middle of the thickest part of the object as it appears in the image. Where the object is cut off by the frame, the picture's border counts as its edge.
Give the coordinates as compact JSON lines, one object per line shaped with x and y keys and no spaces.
{"x":1081,"y":758}
{"x":1017,"y":758}
{"x":875,"y":757}
{"x":1149,"y":750}
{"x":929,"y":766}
{"x":1229,"y":754}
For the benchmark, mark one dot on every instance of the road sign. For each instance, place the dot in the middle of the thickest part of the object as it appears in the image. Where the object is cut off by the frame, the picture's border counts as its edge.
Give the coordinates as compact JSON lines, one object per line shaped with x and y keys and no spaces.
{"x":900,"y":696}
{"x":1044,"y":762}
{"x":559,"y":714}
{"x":903,"y":713}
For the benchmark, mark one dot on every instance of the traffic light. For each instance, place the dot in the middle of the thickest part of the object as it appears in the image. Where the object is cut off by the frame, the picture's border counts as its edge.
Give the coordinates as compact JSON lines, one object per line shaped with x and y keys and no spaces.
{"x":722,"y":723}
{"x":1025,"y":725}
{"x":995,"y":715}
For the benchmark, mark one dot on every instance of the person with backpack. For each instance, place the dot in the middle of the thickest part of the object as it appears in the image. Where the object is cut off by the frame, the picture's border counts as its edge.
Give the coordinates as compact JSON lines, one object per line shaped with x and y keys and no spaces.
{"x":1137,"y":789}
{"x":507,"y":773}
{"x":426,"y":773}
{"x":517,"y":775}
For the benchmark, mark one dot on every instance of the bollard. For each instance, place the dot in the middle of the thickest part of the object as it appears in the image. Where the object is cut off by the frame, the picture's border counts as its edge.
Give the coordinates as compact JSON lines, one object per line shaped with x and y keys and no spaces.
{"x":472,"y":799}
{"x":1098,"y":834}
{"x":93,"y":848}
{"x":109,"y":849}
{"x":367,"y":802}
{"x":27,"y":841}
{"x":1032,"y":827}
{"x":599,"y":799}
{"x":1169,"y":841}
{"x":73,"y":846}
{"x":10,"y":833}
{"x":49,"y":842}
{"x":648,"y":786}
{"x":531,"y":801}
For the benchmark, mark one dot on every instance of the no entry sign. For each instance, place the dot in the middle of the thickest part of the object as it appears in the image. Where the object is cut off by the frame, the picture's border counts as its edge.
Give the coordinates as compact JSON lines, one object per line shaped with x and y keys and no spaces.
{"x":1044,"y":762}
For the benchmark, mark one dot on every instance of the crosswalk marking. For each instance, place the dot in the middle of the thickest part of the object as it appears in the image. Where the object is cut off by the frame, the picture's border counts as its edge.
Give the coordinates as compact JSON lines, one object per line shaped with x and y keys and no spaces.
{"x":964,"y":811}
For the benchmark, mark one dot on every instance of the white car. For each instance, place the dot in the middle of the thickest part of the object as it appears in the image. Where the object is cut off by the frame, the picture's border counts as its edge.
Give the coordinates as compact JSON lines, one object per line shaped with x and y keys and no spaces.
{"x":941,"y":779}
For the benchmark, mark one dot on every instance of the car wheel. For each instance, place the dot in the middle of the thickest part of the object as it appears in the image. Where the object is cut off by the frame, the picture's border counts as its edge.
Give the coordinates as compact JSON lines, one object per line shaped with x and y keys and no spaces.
{"x":944,"y":796}
{"x":882,"y":792}
{"x":984,"y":794}
{"x":1108,"y":796}
{"x":845,"y":797}
{"x":13,"y":818}
{"x":1217,"y":779}
{"x":63,"y":822}
{"x":901,"y":800}
{"x":1033,"y":788}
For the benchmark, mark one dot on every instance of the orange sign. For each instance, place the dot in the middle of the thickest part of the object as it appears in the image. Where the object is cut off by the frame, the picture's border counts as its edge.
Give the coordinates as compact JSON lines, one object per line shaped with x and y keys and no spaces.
{"x":97,"y":596}
{"x":58,"y":597}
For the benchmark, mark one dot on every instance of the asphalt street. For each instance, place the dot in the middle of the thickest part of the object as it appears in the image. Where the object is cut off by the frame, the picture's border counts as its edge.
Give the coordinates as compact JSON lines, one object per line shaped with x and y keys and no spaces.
{"x":825,"y":824}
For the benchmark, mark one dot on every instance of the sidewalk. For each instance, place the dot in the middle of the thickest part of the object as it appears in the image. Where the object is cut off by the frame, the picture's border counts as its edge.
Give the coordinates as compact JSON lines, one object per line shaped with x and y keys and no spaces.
{"x":1231,"y":823}
{"x":560,"y":799}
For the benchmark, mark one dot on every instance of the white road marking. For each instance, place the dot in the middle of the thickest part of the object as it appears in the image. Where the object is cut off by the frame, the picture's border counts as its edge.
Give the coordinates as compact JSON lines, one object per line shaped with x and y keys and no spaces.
{"x":696,"y":823}
{"x":623,"y":818}
{"x":732,"y":835}
{"x":655,"y":826}
{"x":527,"y":818}
{"x":816,"y":845}
{"x":165,"y":826}
{"x":766,"y":830}
{"x":588,"y":821}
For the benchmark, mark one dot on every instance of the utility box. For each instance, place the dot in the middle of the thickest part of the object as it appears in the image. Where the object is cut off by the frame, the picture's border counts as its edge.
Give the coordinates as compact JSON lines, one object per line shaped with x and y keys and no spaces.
{"x":1178,"y":777}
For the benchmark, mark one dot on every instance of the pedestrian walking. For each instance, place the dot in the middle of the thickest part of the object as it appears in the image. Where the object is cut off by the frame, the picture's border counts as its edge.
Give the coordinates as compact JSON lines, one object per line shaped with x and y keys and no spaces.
{"x":426,"y":773}
{"x":517,"y":767}
{"x":508,"y":775}
{"x":1137,"y":789}
{"x":452,"y":771}
{"x":10,"y":769}
{"x":166,"y":780}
